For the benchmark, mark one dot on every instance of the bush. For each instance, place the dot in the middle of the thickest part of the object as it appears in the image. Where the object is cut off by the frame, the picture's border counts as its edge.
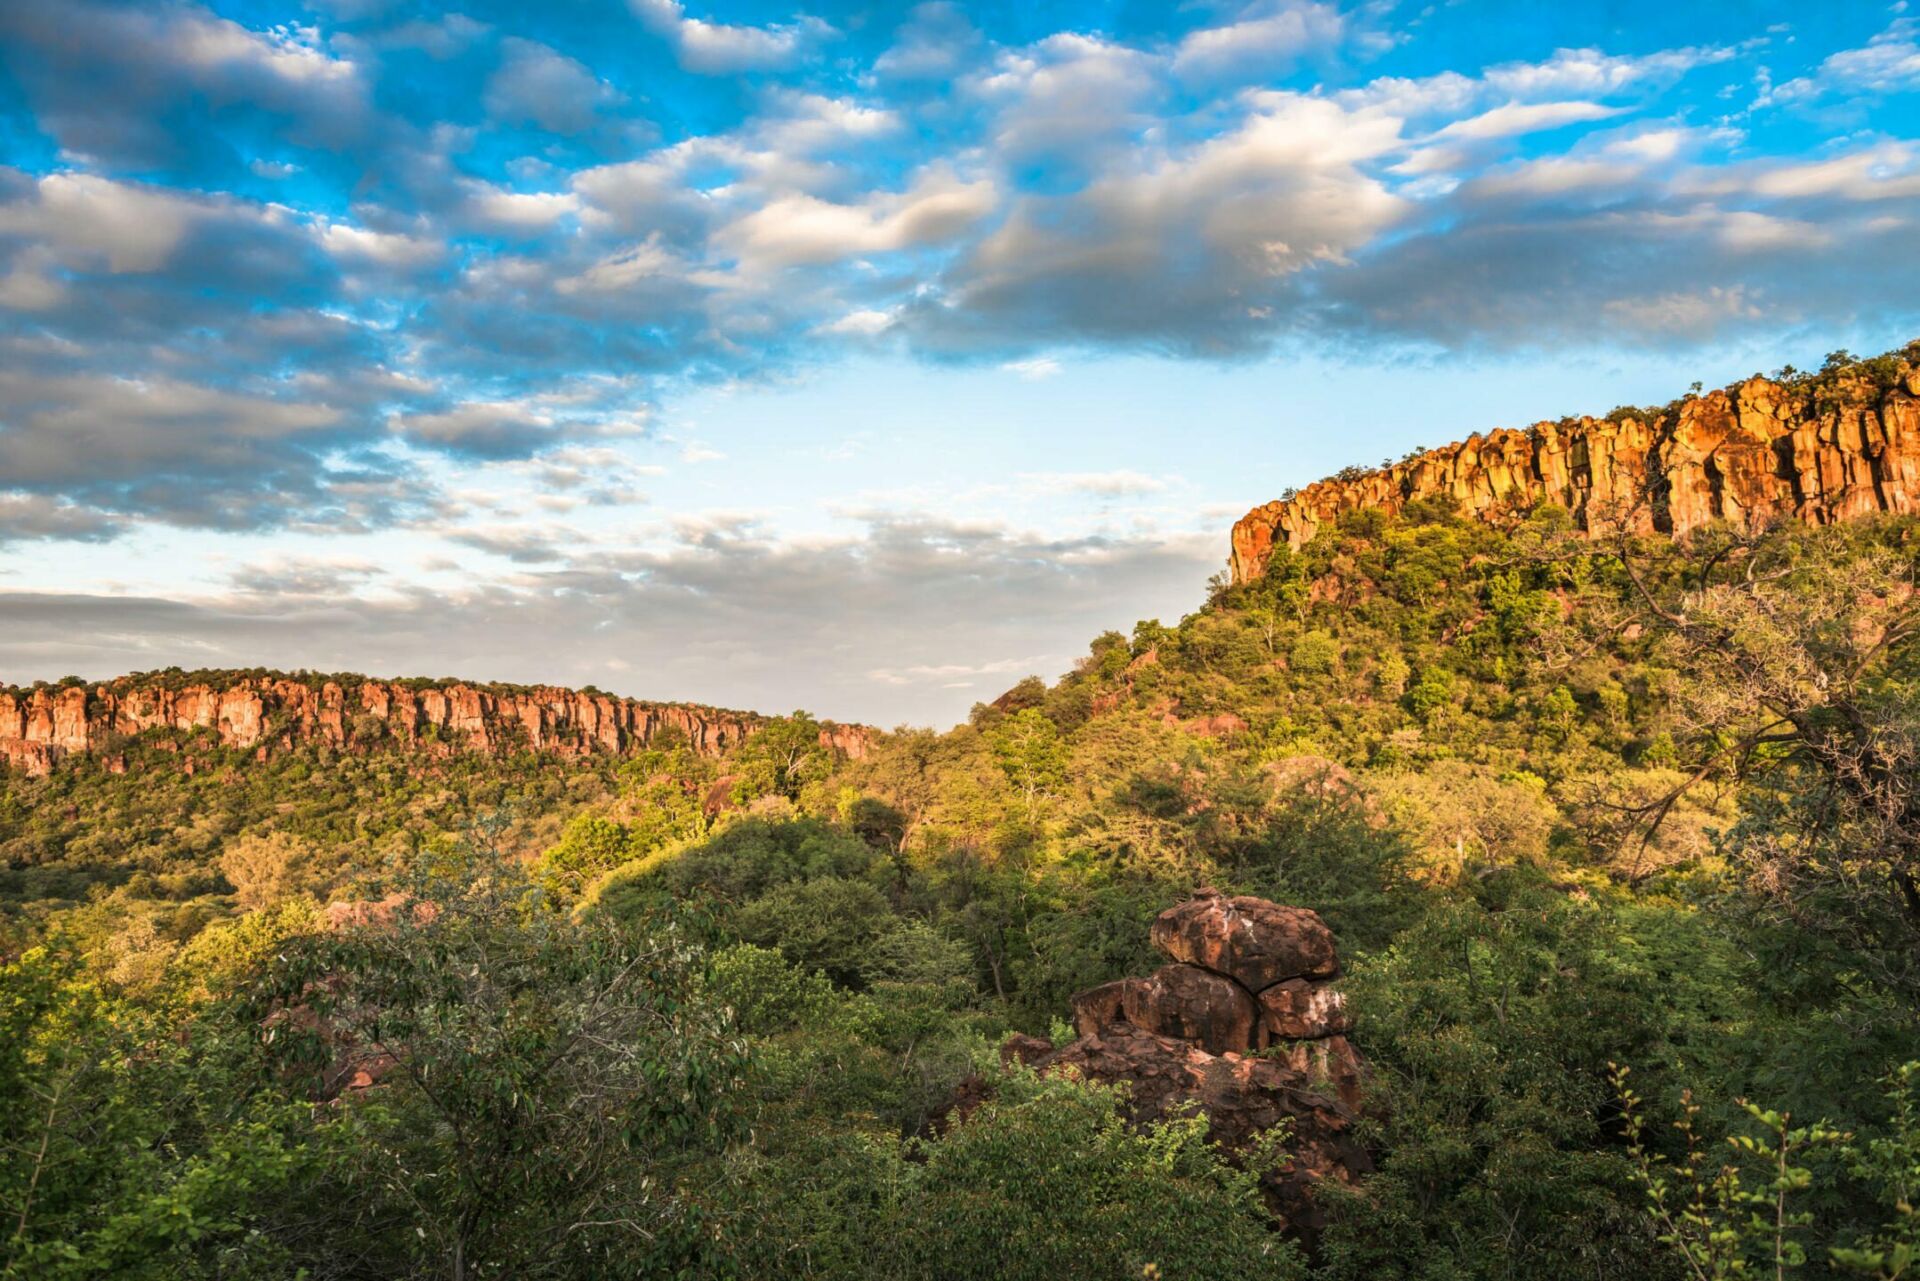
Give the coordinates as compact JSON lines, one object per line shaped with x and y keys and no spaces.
{"x":1047,"y":1181}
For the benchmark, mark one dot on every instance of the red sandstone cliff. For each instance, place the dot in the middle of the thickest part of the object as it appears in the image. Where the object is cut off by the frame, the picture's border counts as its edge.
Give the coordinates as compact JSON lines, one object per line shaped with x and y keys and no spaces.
{"x":1821,"y":450}
{"x":38,"y":727}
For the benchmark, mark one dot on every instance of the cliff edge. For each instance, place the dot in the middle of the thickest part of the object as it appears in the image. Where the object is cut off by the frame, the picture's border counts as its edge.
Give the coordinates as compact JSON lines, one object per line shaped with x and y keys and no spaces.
{"x":1815,"y":448}
{"x":271,"y":712}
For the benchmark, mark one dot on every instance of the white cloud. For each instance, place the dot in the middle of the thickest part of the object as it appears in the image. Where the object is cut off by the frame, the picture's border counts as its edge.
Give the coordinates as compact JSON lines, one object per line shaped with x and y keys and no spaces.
{"x":1070,"y":99}
{"x":29,"y":284}
{"x":1684,"y":314}
{"x":388,"y":249}
{"x":545,"y":87}
{"x":1266,"y":35}
{"x":1034,"y":368}
{"x":35,"y":516}
{"x":1745,"y":231}
{"x":83,"y":219}
{"x":866,"y":323}
{"x":798,"y":229}
{"x":1660,"y":145}
{"x":164,"y":447}
{"x":1182,"y":248}
{"x":522,"y":211}
{"x":624,"y":269}
{"x":1526,"y":117}
{"x":1592,"y":72}
{"x":1888,"y":63}
{"x":287,"y":53}
{"x":960,"y":675}
{"x":805,"y":123}
{"x":1877,"y":173}
{"x":1100,"y":484}
{"x":495,"y":428}
{"x":1556,"y":176}
{"x":715,"y":48}
{"x":440,"y":38}
{"x":934,"y":43}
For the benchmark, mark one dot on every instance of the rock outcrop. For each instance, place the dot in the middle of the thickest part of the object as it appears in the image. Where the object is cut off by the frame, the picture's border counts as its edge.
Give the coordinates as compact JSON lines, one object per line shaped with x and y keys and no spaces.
{"x":270,"y":713}
{"x":1251,"y":941}
{"x":1182,"y":1001}
{"x":1246,"y":1024}
{"x":1818,"y":451}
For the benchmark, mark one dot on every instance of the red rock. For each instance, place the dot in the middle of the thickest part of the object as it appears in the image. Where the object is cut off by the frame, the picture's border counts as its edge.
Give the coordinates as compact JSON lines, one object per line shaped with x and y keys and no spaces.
{"x":351,"y":1064}
{"x":1100,"y":1007}
{"x":1186,"y":1001}
{"x":1175,"y":1040}
{"x":1314,"y":776}
{"x":1255,"y":942}
{"x":719,"y":797}
{"x":1021,"y":1048}
{"x":38,"y":727}
{"x":1330,"y":1063}
{"x":1297,"y":1009}
{"x":850,"y":741}
{"x":1243,"y":1096}
{"x":376,"y":913}
{"x":35,"y":760}
{"x":1750,"y":454}
{"x":1224,"y":725}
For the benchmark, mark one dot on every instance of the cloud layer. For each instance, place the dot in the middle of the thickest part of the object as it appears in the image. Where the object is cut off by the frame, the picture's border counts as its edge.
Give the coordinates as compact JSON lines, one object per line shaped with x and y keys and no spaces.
{"x":865,"y":626}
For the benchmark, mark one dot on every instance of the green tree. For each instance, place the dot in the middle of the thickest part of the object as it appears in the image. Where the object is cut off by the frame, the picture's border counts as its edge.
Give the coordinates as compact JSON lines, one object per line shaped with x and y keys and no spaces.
{"x":1048,"y":1180}
{"x":1030,"y":751}
{"x":590,"y":847}
{"x":545,"y":1075}
{"x":779,"y":758}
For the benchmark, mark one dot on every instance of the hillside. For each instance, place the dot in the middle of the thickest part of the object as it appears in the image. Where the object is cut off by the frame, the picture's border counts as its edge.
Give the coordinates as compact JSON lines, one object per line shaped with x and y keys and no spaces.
{"x":1814,"y":448}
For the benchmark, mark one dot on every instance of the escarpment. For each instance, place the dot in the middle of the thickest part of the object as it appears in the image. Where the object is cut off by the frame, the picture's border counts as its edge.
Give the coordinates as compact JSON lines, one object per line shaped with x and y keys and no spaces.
{"x":269,"y":713}
{"x":1818,"y":450}
{"x":1245,"y":1023}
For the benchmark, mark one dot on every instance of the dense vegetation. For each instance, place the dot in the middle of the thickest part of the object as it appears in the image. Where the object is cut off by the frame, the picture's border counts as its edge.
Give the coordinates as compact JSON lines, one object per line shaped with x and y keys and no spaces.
{"x":1613,"y":837}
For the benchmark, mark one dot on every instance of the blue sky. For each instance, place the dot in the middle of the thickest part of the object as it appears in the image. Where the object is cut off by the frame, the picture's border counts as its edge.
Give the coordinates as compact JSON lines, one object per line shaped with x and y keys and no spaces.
{"x":862,"y":357}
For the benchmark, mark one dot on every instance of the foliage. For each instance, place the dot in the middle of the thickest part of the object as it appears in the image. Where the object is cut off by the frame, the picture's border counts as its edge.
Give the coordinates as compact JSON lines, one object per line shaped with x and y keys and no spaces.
{"x":1047,"y":1180}
{"x":530,"y":1063}
{"x":1719,"y":1223}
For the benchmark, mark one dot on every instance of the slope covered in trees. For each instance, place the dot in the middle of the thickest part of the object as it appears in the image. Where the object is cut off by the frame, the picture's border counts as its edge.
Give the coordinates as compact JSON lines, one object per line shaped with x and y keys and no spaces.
{"x":1613,"y":834}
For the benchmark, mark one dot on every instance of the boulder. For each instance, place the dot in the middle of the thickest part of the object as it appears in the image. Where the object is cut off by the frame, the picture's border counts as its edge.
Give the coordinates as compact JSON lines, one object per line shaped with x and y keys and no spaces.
{"x":1100,"y":1007}
{"x":1185,"y":1001}
{"x":1253,"y":941}
{"x":1299,"y":1010}
{"x":1180,"y":1038}
{"x":1329,"y":1065}
{"x":1021,"y":1048}
{"x":1243,"y":1096}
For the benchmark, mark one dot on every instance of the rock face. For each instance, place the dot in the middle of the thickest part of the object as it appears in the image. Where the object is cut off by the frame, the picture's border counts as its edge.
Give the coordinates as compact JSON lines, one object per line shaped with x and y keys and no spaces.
{"x":1252,"y":941}
{"x":1299,"y":1010}
{"x":269,"y":713}
{"x":1184,"y":1001}
{"x":1246,"y":1025}
{"x":1835,"y":449}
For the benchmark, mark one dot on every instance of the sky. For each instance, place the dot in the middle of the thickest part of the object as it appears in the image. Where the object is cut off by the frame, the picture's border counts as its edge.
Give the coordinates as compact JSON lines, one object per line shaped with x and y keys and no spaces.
{"x":860,"y":357}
